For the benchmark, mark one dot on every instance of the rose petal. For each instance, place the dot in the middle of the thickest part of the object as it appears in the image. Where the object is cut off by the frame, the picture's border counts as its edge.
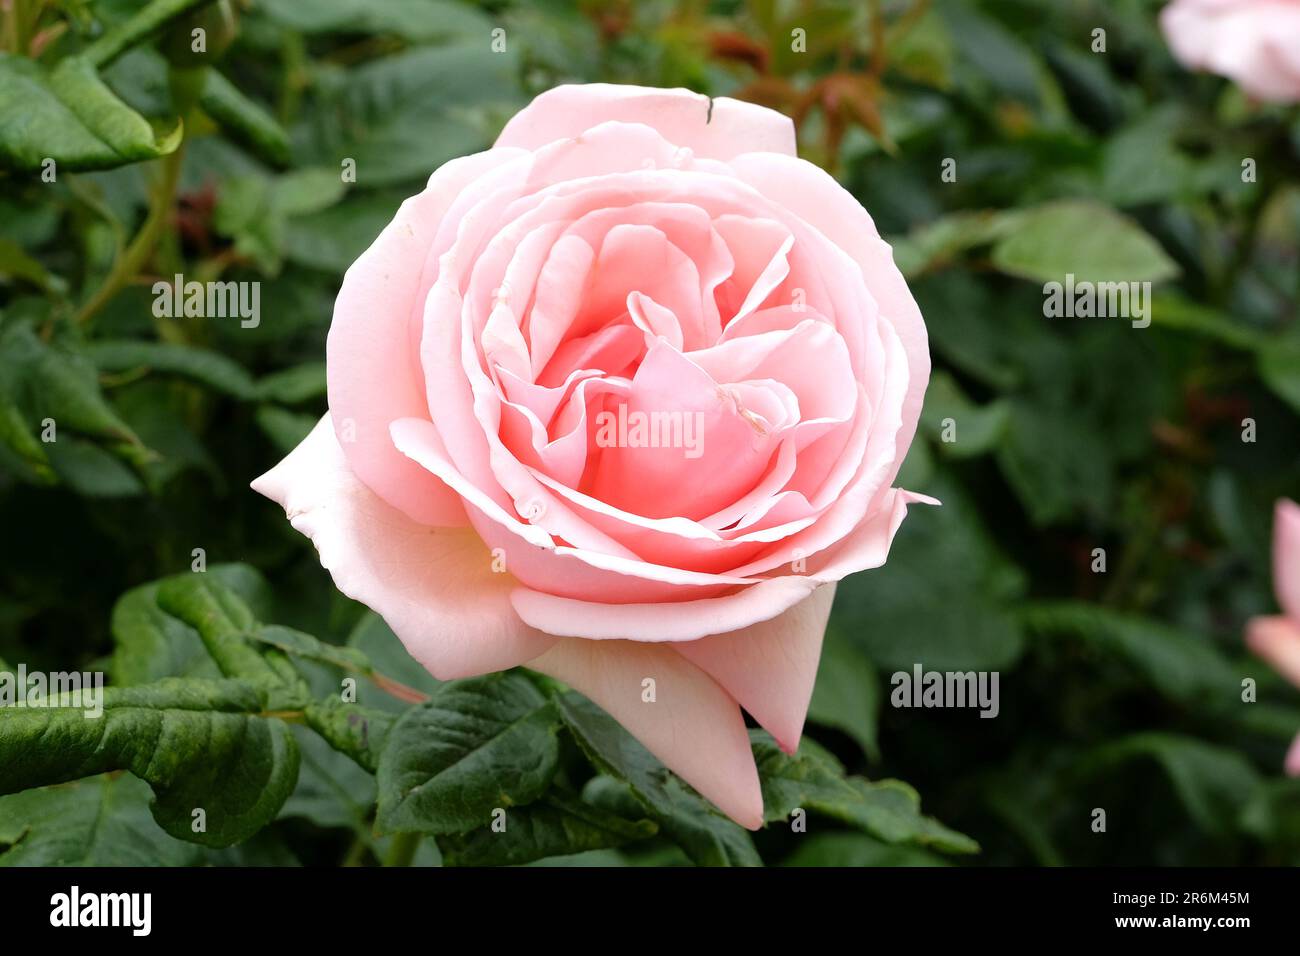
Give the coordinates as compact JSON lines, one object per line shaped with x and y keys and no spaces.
{"x":374,"y":337}
{"x":1292,"y":762}
{"x":669,"y":621}
{"x":1286,"y":557}
{"x":770,"y":667}
{"x":717,"y":128}
{"x":434,"y":586}
{"x":1275,"y":639}
{"x":692,"y":725}
{"x":816,"y":197}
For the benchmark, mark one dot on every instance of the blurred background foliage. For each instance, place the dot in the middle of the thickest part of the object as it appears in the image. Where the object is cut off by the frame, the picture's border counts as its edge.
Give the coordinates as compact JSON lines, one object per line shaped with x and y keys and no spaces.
{"x":1120,"y":690}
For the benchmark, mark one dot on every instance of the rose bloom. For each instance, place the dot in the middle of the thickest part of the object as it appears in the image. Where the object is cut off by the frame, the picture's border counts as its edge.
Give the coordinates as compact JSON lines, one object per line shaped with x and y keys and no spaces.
{"x":1277,"y":639}
{"x":1255,"y":43}
{"x":621,"y":255}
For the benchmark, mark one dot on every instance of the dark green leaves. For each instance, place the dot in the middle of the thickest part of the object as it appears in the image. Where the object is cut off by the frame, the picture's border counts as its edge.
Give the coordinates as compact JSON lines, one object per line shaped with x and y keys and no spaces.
{"x":706,"y":836}
{"x":146,"y":21}
{"x":557,"y":825}
{"x":1213,"y":784}
{"x":102,"y":821}
{"x":219,"y":771}
{"x":151,"y":644}
{"x":814,"y":781}
{"x":402,"y":116}
{"x":68,"y":115}
{"x":244,"y":119}
{"x":52,"y":409}
{"x":1088,"y":240}
{"x":234,"y":723}
{"x":847,"y":693}
{"x":1043,"y":243}
{"x":893,"y":615}
{"x":476,"y":746}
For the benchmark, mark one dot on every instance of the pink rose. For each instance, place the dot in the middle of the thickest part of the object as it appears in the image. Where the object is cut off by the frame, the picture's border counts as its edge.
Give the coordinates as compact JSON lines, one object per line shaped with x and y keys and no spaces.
{"x":620,"y":399}
{"x":1255,"y":43}
{"x":1277,"y":639}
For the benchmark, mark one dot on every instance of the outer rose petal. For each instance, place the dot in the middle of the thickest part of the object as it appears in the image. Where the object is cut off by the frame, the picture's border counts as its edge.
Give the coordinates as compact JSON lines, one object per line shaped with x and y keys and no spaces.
{"x":669,"y":621}
{"x":866,"y":546}
{"x":1277,"y":640}
{"x":1292,"y":762}
{"x":1286,"y":557}
{"x":1255,"y":43}
{"x":770,"y":667}
{"x":717,"y":128}
{"x":434,"y":586}
{"x":374,"y":338}
{"x":693,"y":726}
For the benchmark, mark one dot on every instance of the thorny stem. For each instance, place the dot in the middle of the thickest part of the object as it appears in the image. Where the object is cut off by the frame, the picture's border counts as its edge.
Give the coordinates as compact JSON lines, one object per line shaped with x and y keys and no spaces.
{"x":127,"y":265}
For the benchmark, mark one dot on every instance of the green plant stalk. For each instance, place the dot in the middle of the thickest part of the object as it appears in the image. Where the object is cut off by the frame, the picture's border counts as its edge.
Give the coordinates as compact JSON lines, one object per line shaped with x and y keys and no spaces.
{"x":23,"y":15}
{"x":402,"y":850}
{"x":186,"y":85}
{"x":141,"y":247}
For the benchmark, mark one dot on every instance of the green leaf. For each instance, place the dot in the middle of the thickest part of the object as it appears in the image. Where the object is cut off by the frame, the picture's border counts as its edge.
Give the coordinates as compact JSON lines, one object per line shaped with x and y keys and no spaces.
{"x":51,"y":388}
{"x":404,"y":115}
{"x":146,"y":21}
{"x":68,"y":115}
{"x":859,"y":850}
{"x":284,"y":428}
{"x":891,"y":612}
{"x":16,"y":437}
{"x":331,"y":240}
{"x":847,"y":693}
{"x":100,"y":821}
{"x":686,"y":818}
{"x":415,"y":20}
{"x":226,"y":625}
{"x":90,"y":471}
{"x":300,"y":644}
{"x":814,"y":781}
{"x":475,"y":746}
{"x":939,"y":243}
{"x":1279,"y":367}
{"x":150,"y":644}
{"x":199,"y":744}
{"x":16,"y":264}
{"x":557,"y":825}
{"x":1273,"y":817}
{"x":359,"y":732}
{"x":1213,"y":783}
{"x":1142,"y":164}
{"x":1180,"y":666}
{"x":201,"y":365}
{"x":332,"y":790}
{"x":975,"y":429}
{"x":403,"y":674}
{"x":255,"y":211}
{"x":297,"y":383}
{"x":1175,"y":312}
{"x":1086,"y":239}
{"x":244,"y":119}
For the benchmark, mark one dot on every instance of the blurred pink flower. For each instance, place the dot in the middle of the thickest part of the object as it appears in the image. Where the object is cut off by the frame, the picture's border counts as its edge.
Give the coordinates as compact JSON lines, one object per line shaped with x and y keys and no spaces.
{"x":1277,"y":638}
{"x":1255,"y":43}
